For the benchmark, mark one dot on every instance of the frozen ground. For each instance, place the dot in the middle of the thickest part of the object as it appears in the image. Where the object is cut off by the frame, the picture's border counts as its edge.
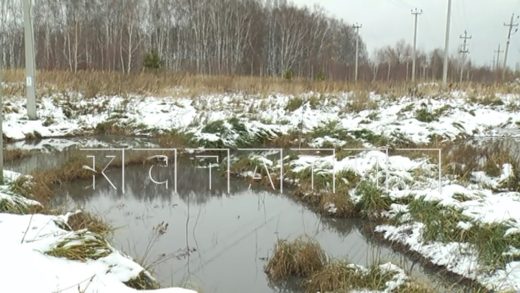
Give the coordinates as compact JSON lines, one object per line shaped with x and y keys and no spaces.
{"x":334,"y":121}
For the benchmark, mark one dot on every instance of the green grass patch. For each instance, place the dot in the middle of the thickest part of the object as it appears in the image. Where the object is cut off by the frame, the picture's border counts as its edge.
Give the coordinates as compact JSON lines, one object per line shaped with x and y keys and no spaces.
{"x":492,"y":244}
{"x":425,"y":115}
{"x":440,"y":221}
{"x":293,"y":104}
{"x":216,"y":127}
{"x":370,"y":137}
{"x":488,"y":239}
{"x":372,"y":201}
{"x":331,"y":128}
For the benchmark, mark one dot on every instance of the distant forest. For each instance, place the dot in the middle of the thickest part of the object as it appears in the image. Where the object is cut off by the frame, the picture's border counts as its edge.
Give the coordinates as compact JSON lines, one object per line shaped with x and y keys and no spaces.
{"x":229,"y":37}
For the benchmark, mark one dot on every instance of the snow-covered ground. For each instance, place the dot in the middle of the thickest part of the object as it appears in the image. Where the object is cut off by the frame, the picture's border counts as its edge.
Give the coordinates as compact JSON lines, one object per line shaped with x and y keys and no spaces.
{"x":481,"y":206}
{"x":451,"y":116}
{"x":325,"y":121}
{"x":27,"y":266}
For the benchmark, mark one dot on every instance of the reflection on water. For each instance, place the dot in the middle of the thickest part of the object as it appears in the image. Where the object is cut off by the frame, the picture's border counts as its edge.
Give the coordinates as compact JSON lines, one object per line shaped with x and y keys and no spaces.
{"x":209,"y":239}
{"x":215,"y":241}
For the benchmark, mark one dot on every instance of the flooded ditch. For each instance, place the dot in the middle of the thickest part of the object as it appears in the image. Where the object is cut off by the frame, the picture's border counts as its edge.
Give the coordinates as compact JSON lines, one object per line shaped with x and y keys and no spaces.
{"x":209,"y":239}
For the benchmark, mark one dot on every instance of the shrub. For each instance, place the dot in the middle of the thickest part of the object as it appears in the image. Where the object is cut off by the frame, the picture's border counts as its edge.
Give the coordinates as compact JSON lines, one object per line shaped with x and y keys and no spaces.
{"x":288,"y":74}
{"x":293,"y":104}
{"x":152,"y":61}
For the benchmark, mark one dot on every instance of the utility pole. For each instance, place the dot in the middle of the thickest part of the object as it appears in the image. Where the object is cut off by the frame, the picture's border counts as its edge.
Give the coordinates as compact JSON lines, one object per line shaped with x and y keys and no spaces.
{"x":464,"y":51}
{"x":498,"y":52}
{"x":30,"y":63}
{"x":356,"y":28}
{"x":415,"y":12}
{"x":446,"y":47}
{"x":424,"y":67}
{"x":511,"y":25}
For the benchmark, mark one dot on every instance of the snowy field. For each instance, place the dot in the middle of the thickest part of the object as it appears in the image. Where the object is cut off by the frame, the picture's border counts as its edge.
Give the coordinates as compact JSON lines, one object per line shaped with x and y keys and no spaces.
{"x":469,"y":207}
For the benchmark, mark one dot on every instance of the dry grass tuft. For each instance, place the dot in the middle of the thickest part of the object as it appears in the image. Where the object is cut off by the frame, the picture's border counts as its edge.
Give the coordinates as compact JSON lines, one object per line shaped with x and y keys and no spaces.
{"x":173,"y":139}
{"x":360,"y":101}
{"x":17,"y":205}
{"x":334,"y":277}
{"x":299,"y":258}
{"x":143,"y":281}
{"x":337,"y":204}
{"x":415,"y":287}
{"x":82,"y":246}
{"x":338,"y":276}
{"x":464,"y":158}
{"x":15,"y":154}
{"x":43,"y":181}
{"x":84,"y":220}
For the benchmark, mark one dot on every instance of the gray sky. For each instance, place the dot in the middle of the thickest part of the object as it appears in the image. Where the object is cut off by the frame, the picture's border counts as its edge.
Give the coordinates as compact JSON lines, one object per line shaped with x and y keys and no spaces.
{"x":387,"y":21}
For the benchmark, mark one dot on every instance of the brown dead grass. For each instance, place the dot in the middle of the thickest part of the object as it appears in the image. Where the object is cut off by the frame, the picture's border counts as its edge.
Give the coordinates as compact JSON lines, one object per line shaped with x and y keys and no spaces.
{"x":344,"y":207}
{"x":338,"y":276}
{"x":461,"y":159}
{"x":173,"y":140}
{"x":299,"y":258}
{"x":44,"y":181}
{"x":15,"y":154}
{"x":84,"y":220}
{"x":94,"y":83}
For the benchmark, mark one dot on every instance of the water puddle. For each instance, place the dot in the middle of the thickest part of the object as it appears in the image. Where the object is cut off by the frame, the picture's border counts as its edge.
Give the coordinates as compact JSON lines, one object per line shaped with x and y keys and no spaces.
{"x":210,"y":239}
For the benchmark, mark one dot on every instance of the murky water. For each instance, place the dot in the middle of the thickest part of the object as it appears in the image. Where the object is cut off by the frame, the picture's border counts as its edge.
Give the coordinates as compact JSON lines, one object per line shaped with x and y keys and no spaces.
{"x":214,"y":241}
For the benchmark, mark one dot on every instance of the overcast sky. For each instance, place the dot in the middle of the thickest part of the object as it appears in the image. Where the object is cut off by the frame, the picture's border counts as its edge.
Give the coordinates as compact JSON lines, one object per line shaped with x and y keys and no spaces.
{"x":387,"y":21}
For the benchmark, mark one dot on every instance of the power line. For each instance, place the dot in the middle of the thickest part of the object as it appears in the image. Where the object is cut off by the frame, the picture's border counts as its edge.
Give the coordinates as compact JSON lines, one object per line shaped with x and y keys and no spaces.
{"x":356,"y":29}
{"x":511,"y":25}
{"x":415,"y":12}
{"x":464,"y":51}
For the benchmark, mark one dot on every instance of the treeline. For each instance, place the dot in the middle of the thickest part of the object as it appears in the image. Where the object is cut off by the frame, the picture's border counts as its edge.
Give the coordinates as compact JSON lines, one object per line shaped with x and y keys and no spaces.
{"x":224,"y":37}
{"x":246,"y":37}
{"x":394,"y":63}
